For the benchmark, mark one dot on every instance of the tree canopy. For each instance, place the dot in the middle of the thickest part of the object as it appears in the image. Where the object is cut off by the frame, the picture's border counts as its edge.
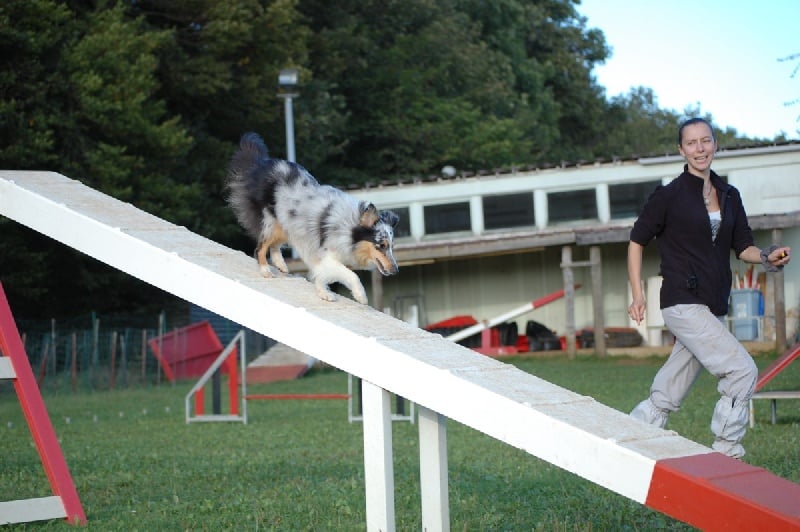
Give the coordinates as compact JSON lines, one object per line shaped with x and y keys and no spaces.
{"x":145,"y":100}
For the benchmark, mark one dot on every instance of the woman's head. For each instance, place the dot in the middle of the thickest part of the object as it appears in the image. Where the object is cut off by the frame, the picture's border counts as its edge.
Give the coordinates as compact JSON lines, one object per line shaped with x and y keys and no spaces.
{"x":697,"y":144}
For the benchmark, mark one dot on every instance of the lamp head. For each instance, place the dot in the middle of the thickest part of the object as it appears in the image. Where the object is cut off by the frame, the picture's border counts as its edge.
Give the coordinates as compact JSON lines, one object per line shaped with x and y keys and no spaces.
{"x":287,"y":78}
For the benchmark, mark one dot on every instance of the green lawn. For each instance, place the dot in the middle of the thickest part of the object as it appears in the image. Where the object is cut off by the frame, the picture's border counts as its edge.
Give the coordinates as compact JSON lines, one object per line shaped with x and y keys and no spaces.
{"x":298,"y":465}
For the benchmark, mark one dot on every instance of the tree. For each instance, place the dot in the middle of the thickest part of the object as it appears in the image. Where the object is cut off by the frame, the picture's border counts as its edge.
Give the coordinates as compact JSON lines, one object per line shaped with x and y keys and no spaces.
{"x":636,"y":126}
{"x":124,"y":143}
{"x":146,"y":101}
{"x":32,"y":35}
{"x":92,"y":113}
{"x":422,"y":89}
{"x":219,"y":75}
{"x":552,"y":55}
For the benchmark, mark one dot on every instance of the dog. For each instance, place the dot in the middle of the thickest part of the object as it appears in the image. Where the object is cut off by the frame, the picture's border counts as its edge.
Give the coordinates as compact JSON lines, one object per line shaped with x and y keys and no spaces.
{"x":278,"y":201}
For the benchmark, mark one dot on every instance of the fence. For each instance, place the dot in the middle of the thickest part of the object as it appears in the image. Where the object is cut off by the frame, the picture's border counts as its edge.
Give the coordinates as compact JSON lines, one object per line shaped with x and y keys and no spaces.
{"x":93,"y":352}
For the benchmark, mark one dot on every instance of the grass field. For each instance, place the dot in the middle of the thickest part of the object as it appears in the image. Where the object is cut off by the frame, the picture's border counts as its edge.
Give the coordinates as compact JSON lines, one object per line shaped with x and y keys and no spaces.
{"x":298,"y":465}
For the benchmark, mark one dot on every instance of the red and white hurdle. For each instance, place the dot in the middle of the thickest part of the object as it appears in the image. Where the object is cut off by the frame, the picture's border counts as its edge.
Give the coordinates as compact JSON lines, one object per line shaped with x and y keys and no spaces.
{"x":14,"y":365}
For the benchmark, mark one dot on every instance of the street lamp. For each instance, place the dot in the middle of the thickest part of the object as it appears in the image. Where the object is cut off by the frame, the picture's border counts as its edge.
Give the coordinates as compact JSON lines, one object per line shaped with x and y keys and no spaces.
{"x":287,"y":81}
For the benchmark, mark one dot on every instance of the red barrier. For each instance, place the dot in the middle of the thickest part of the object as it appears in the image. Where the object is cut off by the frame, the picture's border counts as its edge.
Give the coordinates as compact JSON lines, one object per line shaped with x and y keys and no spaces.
{"x":35,"y":411}
{"x":189,"y":351}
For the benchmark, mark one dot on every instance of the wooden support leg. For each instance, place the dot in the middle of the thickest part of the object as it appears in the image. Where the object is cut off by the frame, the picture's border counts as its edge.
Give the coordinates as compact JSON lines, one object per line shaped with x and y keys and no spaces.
{"x":433,"y":471}
{"x":378,"y":465}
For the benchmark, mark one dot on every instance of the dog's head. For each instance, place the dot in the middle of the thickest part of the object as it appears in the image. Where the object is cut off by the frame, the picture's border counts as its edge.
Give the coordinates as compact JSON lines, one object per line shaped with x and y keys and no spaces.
{"x":374,"y":239}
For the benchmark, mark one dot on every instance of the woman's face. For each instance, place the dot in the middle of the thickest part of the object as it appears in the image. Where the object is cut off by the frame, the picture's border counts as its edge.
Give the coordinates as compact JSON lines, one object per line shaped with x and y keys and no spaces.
{"x":698,"y":147}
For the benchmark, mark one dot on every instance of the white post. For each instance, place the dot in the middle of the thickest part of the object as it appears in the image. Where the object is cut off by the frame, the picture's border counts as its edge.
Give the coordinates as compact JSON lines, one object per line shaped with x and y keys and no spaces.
{"x":603,"y":203}
{"x":433,"y":471}
{"x":476,"y":215}
{"x":540,"y":208}
{"x":378,"y":466}
{"x":416,"y":220}
{"x":289,"y":113}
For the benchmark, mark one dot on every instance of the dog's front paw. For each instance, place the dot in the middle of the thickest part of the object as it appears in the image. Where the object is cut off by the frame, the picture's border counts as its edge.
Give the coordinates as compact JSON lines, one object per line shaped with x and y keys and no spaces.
{"x":280,"y":264}
{"x":360,"y":296}
{"x":265,"y":270}
{"x":326,"y":295}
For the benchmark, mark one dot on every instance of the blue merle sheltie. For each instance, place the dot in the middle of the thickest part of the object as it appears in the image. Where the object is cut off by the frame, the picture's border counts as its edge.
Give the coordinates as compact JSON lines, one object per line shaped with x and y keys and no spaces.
{"x":278,"y":201}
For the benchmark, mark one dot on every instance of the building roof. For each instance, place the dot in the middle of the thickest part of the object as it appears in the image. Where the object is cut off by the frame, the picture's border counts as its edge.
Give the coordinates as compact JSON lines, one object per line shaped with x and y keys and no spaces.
{"x":650,"y":158}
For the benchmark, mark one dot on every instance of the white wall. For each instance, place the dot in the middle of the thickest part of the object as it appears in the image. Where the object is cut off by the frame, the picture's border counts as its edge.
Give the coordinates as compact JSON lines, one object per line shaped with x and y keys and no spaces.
{"x":490,"y":286}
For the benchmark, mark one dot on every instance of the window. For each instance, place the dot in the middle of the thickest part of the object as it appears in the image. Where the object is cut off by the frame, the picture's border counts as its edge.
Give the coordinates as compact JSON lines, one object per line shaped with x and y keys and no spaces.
{"x":572,"y":205}
{"x":628,"y":199}
{"x":447,"y":217}
{"x":403,"y":227}
{"x":510,"y":210}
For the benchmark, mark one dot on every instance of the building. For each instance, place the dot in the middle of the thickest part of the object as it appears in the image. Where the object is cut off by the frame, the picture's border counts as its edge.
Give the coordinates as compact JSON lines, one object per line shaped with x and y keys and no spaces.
{"x":483,"y":244}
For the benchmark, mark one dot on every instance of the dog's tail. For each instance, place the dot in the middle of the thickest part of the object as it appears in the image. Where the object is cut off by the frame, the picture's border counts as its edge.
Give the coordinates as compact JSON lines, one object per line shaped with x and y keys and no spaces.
{"x":242,"y":177}
{"x":251,"y":151}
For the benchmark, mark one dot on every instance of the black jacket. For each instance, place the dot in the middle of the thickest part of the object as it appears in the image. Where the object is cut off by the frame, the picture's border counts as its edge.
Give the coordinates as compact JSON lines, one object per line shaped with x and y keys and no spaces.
{"x":695,"y":268}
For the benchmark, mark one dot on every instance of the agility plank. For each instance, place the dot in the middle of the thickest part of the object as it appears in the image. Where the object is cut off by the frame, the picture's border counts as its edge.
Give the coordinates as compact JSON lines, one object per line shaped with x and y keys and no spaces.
{"x":569,"y":430}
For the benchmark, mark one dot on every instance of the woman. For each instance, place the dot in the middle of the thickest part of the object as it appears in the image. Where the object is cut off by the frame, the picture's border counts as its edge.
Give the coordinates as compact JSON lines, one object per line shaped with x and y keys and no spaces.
{"x":697,"y":219}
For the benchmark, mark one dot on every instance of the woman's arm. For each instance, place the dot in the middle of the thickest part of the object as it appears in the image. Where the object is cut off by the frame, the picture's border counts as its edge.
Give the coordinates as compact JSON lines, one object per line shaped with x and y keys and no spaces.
{"x":777,"y":257}
{"x":638,"y":304}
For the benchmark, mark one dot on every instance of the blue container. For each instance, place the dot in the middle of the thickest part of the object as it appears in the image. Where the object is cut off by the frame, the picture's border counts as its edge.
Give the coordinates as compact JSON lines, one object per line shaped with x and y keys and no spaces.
{"x":746,"y":306}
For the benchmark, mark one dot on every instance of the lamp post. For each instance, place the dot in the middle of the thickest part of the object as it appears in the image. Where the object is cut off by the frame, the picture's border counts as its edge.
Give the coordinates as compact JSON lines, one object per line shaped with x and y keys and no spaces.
{"x":287,"y":81}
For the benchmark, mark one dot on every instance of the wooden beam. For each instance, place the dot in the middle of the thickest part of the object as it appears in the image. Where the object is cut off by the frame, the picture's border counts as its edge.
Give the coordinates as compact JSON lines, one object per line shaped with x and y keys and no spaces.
{"x":569,"y":294}
{"x":598,"y":304}
{"x":780,"y":300}
{"x":765,"y":222}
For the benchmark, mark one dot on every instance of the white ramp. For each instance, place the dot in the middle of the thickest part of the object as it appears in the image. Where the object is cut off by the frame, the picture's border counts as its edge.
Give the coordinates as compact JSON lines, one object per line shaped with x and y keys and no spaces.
{"x":569,"y":430}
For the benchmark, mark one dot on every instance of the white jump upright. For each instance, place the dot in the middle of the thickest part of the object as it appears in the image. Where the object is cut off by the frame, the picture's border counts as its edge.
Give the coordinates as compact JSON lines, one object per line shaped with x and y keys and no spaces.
{"x":444,"y":379}
{"x":241,"y":401}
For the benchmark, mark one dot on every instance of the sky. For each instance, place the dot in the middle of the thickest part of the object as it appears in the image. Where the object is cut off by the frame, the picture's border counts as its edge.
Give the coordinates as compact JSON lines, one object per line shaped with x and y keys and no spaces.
{"x":720,"y":55}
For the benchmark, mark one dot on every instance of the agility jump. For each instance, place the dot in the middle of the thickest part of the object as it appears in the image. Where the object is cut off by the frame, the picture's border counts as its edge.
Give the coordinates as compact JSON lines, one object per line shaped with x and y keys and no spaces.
{"x":649,"y":465}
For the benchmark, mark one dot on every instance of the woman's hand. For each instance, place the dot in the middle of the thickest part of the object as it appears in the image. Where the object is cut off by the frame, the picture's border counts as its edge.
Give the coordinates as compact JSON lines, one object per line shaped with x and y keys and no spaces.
{"x":780,"y":256}
{"x":637,"y":309}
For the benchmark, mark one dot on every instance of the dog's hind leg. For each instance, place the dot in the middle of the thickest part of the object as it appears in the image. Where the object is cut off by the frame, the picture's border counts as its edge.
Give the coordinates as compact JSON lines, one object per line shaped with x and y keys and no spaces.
{"x":270,"y":241}
{"x":279,"y":238}
{"x":261,"y":257}
{"x":330,"y":271}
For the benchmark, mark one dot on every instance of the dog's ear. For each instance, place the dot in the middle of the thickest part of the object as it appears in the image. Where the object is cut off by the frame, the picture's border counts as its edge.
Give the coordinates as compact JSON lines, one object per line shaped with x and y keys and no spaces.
{"x":390,"y":218}
{"x":369,"y":214}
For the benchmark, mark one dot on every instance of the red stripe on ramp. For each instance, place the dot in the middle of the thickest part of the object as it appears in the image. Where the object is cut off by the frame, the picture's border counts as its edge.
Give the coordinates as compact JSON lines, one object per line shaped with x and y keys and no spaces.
{"x":715,"y":492}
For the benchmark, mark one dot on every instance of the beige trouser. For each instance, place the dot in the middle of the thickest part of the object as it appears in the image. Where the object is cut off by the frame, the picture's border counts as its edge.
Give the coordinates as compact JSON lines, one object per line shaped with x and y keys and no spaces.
{"x":703,"y":341}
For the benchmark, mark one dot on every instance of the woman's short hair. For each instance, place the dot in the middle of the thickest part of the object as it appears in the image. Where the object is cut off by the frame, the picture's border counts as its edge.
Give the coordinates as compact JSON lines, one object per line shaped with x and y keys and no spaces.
{"x":692,"y":121}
